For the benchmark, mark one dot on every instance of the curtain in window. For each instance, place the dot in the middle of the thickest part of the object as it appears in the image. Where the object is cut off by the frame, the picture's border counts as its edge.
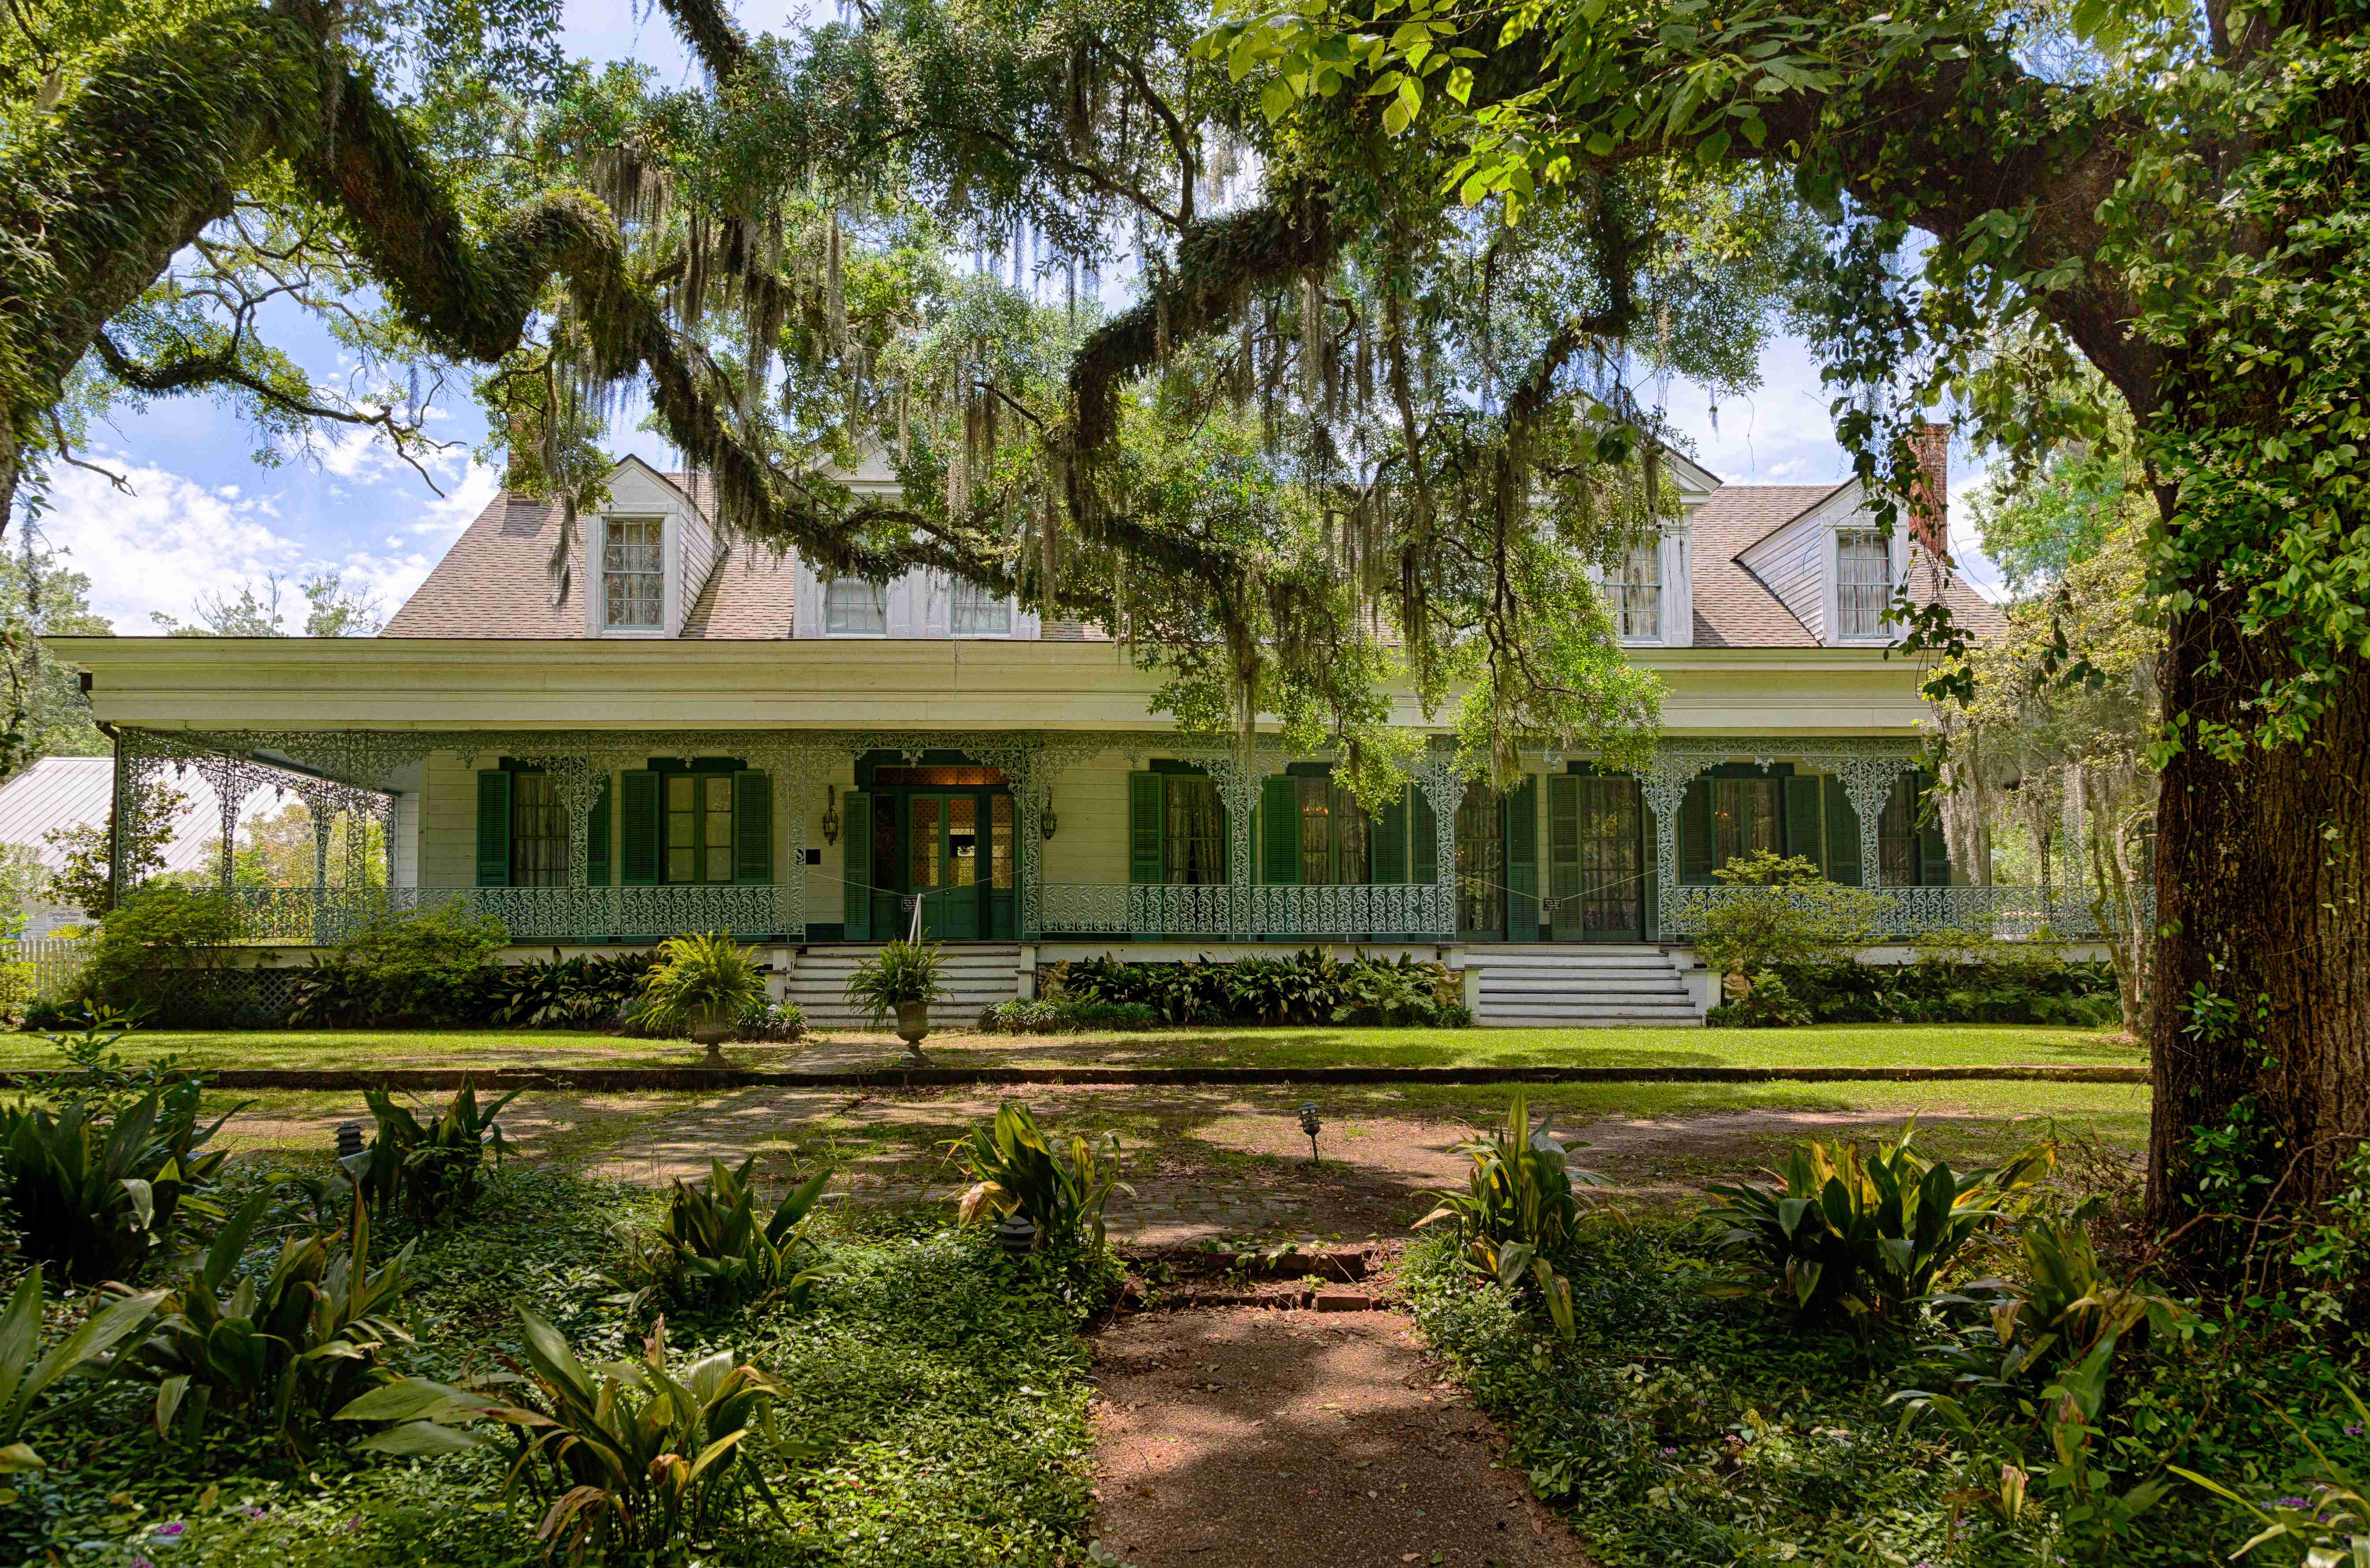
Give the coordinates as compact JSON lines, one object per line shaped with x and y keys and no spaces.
{"x":633,"y":572}
{"x":699,"y":827}
{"x":979,"y":612}
{"x":538,"y":831}
{"x":1194,"y":847}
{"x":1863,"y":581}
{"x":853,"y":607}
{"x":1743,"y":818}
{"x":1896,"y":836}
{"x":1635,"y":595}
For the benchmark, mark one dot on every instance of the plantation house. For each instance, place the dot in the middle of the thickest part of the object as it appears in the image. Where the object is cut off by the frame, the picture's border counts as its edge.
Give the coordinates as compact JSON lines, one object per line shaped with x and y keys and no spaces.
{"x":644,"y":728}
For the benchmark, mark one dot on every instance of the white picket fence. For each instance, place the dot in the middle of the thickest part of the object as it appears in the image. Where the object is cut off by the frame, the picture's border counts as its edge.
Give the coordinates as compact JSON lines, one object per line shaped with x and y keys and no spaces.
{"x":54,"y":961}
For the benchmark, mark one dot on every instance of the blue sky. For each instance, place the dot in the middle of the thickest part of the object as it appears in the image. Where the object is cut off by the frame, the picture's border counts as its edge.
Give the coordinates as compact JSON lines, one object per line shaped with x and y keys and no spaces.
{"x":203,"y":517}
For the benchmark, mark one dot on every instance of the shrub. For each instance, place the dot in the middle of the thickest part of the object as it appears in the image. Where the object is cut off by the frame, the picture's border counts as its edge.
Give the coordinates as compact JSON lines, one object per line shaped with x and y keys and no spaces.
{"x":633,"y":1462}
{"x":25,"y":1373}
{"x":1305,"y":987}
{"x":1780,"y":909}
{"x":149,"y":941}
{"x":1065,"y":1015}
{"x":713,"y":1246}
{"x":432,"y":1170}
{"x":1866,"y":1233}
{"x":415,"y":967}
{"x":102,"y":1192}
{"x":901,"y":971}
{"x":770,"y":1019}
{"x":299,"y":1343}
{"x":1519,"y":1208}
{"x":2021,"y":989}
{"x":570,"y":993}
{"x":1378,"y":990}
{"x":699,"y":972}
{"x":1014,"y":1170}
{"x":94,"y":1071}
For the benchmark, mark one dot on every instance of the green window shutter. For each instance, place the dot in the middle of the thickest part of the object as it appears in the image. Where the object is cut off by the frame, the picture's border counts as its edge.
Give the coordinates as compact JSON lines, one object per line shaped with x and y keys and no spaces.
{"x":1933,"y":846}
{"x":493,"y":827}
{"x":1423,"y":838}
{"x":596,"y":839}
{"x":1280,"y":831}
{"x":753,"y":827}
{"x":1390,"y":841}
{"x":1146,"y":812}
{"x":855,"y":867}
{"x":1563,"y":849}
{"x":1695,"y":834}
{"x":1522,"y":861}
{"x":638,"y":820}
{"x":1843,"y":835}
{"x":1802,"y":819}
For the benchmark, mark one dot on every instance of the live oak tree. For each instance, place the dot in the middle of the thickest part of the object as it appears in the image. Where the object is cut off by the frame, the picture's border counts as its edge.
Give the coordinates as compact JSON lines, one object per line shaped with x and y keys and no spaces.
{"x":2175,"y":193}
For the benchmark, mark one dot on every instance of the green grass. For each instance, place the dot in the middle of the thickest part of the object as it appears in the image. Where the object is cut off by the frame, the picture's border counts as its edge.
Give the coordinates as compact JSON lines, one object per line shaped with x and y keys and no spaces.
{"x":1839,"y":1045}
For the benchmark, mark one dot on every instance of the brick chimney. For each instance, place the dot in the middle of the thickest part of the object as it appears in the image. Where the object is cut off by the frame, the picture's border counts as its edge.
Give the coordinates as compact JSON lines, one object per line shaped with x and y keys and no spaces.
{"x":1930,"y":502}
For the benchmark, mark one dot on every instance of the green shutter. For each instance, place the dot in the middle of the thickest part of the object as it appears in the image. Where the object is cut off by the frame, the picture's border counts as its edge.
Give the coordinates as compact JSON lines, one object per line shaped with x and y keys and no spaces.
{"x":1802,"y":819}
{"x":1843,"y":835}
{"x":1695,"y":834}
{"x":1522,"y":861}
{"x":1423,"y":839}
{"x":753,"y":827}
{"x":1933,"y":846}
{"x":1280,"y":831}
{"x":855,"y":867}
{"x":1146,"y":817}
{"x":1390,"y":841}
{"x":493,"y":827}
{"x":596,"y":840}
{"x":638,"y":835}
{"x":1563,"y":850}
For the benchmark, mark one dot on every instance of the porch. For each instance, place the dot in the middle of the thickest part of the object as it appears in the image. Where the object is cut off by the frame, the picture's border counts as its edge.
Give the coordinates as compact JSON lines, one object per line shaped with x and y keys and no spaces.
{"x":596,"y":838}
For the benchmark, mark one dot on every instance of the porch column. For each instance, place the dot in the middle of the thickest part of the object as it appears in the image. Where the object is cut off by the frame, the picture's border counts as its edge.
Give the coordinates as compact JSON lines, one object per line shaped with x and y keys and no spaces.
{"x":578,"y":780}
{"x":1868,"y":784}
{"x":1443,"y":790}
{"x":357,"y":846}
{"x":119,"y":821}
{"x":1663,"y":788}
{"x":1238,"y":787}
{"x":321,"y":806}
{"x":230,"y":780}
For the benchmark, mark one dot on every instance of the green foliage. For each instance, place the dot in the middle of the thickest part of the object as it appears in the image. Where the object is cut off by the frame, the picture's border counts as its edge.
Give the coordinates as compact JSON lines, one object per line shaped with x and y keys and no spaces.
{"x":26,"y":1373}
{"x":1306,"y":988}
{"x":85,"y":877}
{"x":406,"y":968}
{"x":294,"y":1346}
{"x":1065,"y":1015}
{"x":146,"y":942}
{"x":1519,"y":1210}
{"x":1774,"y":909}
{"x":900,"y":972}
{"x":700,"y":973}
{"x":713,"y":1246}
{"x":2328,"y":1525}
{"x":1861,"y":1232}
{"x":2048,"y":990}
{"x":104,"y":1192}
{"x":636,"y":1458}
{"x":94,"y":1070}
{"x":570,"y":993}
{"x":1016,"y":1170}
{"x":430,"y":1170}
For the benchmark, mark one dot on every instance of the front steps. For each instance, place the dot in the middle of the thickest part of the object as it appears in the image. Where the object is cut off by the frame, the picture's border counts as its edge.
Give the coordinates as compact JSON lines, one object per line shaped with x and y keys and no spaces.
{"x":974,"y":976}
{"x":1584,"y":984}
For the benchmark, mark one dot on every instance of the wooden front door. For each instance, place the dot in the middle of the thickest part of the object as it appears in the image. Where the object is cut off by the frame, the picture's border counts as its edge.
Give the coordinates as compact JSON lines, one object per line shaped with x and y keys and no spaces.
{"x":946,"y":847}
{"x":1481,"y":865}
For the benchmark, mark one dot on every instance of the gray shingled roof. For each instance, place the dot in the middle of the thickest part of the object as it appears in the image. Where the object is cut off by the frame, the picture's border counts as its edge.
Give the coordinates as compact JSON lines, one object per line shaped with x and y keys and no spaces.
{"x":495,"y":580}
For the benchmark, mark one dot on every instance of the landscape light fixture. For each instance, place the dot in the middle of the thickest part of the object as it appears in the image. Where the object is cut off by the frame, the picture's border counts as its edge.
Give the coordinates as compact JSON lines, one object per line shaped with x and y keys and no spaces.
{"x":1311,"y":1124}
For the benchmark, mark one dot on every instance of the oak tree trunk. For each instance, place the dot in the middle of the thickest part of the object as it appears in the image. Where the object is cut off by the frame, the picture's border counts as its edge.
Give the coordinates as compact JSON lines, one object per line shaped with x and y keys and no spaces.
{"x":2262,"y":909}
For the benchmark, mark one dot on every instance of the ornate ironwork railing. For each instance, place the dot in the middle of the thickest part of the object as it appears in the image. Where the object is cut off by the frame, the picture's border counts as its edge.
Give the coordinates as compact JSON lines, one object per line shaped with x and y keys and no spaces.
{"x":302,"y":915}
{"x":2009,"y":913}
{"x":1173,"y":909}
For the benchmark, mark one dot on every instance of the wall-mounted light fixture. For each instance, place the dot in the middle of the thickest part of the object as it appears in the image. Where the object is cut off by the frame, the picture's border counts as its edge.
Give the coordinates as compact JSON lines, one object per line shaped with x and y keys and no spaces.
{"x":1046,"y":821}
{"x":830,"y":814}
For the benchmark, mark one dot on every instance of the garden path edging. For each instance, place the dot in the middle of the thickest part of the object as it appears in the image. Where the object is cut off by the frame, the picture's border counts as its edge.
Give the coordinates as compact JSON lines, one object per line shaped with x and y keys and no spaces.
{"x":695,"y":1078}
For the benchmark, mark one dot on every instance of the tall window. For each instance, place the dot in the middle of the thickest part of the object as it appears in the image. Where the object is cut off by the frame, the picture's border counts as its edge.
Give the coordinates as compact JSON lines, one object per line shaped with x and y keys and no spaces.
{"x":1743,"y":818}
{"x":1635,"y":594}
{"x":538,"y":831}
{"x":1863,"y":581}
{"x":1335,"y":840}
{"x":1896,"y":834}
{"x":981,"y":612}
{"x":853,"y":607}
{"x":633,"y":572}
{"x":699,"y":827}
{"x":1193,"y":847}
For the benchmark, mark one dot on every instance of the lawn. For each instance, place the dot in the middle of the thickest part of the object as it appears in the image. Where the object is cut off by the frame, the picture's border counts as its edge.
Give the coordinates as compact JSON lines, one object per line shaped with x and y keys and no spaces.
{"x":1840,"y":1045}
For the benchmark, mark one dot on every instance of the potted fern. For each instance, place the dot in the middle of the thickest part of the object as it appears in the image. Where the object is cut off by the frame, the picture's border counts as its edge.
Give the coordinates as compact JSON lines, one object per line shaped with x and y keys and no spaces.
{"x":703,"y":981}
{"x":902,"y":979}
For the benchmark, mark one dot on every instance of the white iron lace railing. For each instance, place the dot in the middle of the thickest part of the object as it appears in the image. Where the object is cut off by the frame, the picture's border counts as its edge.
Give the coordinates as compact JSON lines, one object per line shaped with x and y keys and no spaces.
{"x":2007,"y":913}
{"x":300,"y":915}
{"x":1177,"y":909}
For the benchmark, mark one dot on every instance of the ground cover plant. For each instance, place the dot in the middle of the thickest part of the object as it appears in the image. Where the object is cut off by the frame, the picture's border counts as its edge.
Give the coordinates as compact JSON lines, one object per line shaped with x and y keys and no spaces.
{"x":1306,"y":988}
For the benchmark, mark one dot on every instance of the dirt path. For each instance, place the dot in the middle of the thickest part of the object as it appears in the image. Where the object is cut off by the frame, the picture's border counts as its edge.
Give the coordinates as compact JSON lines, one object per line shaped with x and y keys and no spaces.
{"x":1256,"y":1438}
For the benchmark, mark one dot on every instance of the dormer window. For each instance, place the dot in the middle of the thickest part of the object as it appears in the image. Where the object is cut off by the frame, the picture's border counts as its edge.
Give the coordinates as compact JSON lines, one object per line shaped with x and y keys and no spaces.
{"x":853,"y":607}
{"x":981,"y":612}
{"x":1863,"y":582}
{"x":633,"y":573}
{"x":1634,"y":594}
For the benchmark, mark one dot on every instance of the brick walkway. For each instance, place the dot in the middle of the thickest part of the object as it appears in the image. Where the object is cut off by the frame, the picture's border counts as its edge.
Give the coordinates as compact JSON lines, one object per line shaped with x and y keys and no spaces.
{"x":1162,"y":1214}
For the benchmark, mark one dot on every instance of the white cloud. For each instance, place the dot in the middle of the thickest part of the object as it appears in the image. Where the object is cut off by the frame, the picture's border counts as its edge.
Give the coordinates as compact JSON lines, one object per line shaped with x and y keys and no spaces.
{"x":161,"y":547}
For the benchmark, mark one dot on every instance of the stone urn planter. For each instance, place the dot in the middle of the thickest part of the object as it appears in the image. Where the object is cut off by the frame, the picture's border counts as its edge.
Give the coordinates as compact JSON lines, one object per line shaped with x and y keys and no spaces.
{"x":710,"y":1026}
{"x":913,"y":1024}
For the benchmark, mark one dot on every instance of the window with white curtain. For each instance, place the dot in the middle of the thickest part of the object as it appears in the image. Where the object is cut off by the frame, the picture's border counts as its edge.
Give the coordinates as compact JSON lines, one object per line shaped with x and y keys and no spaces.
{"x":853,"y":607}
{"x":1863,"y":581}
{"x":633,"y":572}
{"x":1634,"y":594}
{"x":981,"y":612}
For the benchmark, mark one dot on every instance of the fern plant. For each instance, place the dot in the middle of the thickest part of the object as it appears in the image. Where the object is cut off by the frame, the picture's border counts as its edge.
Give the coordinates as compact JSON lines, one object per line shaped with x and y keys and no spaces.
{"x":700,"y":972}
{"x":901,"y":973}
